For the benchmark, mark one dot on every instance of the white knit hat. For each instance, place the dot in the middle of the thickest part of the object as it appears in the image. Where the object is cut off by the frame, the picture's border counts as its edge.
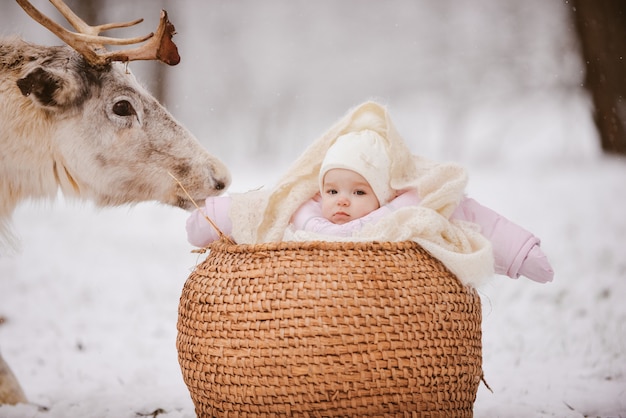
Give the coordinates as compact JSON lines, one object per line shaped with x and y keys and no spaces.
{"x":363,"y":152}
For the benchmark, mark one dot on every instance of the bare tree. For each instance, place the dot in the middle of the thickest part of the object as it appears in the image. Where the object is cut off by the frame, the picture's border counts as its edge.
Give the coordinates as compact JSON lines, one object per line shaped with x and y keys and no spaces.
{"x":601,"y":27}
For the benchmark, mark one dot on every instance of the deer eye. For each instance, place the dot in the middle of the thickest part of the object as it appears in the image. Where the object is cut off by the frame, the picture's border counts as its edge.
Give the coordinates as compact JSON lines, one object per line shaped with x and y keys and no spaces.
{"x":123,"y":108}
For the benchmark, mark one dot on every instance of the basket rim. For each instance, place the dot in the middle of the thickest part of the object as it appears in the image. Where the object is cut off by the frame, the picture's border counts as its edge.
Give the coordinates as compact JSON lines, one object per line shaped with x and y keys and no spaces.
{"x":225,"y":246}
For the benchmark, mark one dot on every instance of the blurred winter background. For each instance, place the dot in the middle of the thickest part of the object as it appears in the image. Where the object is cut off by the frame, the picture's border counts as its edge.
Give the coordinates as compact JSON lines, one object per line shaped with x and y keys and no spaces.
{"x":88,"y":305}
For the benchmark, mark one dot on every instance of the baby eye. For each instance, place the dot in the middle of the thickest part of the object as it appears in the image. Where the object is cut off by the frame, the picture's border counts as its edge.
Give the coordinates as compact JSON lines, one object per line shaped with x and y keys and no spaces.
{"x":331,"y":191}
{"x":360,"y":193}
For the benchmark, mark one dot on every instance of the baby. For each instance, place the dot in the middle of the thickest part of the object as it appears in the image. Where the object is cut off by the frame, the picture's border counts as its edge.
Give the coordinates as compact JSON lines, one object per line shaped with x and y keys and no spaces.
{"x":355,"y":191}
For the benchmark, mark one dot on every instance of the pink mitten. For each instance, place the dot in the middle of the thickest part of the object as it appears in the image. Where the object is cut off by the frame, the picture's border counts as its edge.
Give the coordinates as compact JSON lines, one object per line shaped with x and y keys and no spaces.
{"x":536,"y":266}
{"x":199,"y":231}
{"x":516,"y":251}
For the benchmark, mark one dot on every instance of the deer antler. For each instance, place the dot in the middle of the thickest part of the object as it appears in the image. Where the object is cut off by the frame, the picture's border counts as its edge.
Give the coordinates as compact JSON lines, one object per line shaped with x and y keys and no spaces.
{"x":88,"y":43}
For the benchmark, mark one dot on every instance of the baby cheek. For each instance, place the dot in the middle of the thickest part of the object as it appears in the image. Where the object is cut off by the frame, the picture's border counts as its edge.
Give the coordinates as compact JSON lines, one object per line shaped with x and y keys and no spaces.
{"x":326,"y":208}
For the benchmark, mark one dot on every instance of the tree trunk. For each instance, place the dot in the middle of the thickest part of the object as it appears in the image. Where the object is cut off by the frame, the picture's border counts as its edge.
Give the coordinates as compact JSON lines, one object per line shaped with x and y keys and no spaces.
{"x":601,"y":27}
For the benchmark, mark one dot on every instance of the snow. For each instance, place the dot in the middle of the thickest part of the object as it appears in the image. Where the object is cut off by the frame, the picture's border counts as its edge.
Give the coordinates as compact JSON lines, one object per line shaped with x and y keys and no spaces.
{"x":90,"y":300}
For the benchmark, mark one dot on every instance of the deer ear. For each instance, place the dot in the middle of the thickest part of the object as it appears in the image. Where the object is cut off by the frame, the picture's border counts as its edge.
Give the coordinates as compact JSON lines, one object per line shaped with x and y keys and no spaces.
{"x":42,"y":85}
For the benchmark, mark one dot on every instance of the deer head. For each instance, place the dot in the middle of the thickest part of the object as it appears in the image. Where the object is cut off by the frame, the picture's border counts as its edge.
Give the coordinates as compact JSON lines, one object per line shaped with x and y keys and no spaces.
{"x":79,"y":121}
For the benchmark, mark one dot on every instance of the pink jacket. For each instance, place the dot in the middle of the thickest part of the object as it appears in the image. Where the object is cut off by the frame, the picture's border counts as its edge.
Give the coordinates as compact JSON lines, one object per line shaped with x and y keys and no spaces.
{"x":516,"y":250}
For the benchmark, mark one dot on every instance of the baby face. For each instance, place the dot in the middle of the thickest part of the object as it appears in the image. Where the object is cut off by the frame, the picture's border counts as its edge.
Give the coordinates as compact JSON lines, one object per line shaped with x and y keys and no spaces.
{"x":346,"y":196}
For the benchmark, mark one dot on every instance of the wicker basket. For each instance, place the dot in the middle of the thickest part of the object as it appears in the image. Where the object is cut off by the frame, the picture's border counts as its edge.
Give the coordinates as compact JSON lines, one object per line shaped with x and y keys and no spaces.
{"x":328,"y":329}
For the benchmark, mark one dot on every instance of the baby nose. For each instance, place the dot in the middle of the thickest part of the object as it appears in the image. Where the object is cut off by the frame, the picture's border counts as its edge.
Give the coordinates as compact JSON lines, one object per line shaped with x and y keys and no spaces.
{"x":344,"y":201}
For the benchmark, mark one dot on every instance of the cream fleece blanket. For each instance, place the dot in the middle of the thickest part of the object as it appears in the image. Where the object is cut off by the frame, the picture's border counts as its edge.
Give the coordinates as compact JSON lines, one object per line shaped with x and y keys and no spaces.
{"x":459,"y":245}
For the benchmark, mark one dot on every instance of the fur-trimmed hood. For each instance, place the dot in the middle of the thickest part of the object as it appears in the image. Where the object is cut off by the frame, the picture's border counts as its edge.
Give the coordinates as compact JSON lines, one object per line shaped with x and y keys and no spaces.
{"x":441,"y":187}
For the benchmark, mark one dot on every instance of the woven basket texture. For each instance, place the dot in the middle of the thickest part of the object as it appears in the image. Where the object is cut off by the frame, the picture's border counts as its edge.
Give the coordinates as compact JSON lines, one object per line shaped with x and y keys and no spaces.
{"x":328,"y":329}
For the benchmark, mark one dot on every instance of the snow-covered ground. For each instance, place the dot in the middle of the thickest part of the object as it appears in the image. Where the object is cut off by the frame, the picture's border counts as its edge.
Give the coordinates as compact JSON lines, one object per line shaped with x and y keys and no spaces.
{"x":89,"y":303}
